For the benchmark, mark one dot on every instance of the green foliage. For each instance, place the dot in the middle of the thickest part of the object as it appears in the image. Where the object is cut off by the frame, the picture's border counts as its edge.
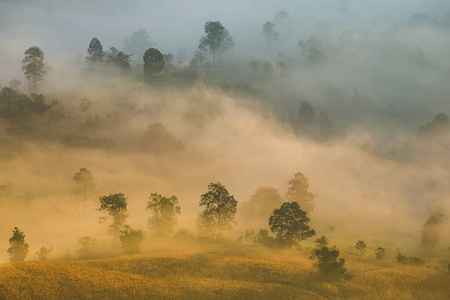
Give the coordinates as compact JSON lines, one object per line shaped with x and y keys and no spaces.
{"x":217,"y":39}
{"x":153,"y":62}
{"x":33,"y":66}
{"x":219,"y":212}
{"x":290,"y":224}
{"x":298,"y":191}
{"x":18,"y":248}
{"x":115,"y":205}
{"x":380,"y":253}
{"x":431,"y":231}
{"x":330,"y":266}
{"x":164,"y":211}
{"x":87,"y":248}
{"x":261,"y":204}
{"x":158,"y":140}
{"x":14,"y":104}
{"x":131,"y":239}
{"x":43,"y":253}
{"x":95,"y":51}
{"x":361,"y":248}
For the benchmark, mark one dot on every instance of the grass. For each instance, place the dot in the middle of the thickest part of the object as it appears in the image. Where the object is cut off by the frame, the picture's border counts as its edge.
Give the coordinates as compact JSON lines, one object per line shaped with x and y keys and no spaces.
{"x":216,"y":272}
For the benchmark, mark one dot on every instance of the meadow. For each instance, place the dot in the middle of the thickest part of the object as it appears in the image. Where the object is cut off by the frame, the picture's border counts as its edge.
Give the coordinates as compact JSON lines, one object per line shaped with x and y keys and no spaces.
{"x":220,"y":271}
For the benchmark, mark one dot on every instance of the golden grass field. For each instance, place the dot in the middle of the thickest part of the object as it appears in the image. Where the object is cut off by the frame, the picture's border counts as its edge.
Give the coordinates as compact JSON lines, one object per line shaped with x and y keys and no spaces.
{"x":216,"y":272}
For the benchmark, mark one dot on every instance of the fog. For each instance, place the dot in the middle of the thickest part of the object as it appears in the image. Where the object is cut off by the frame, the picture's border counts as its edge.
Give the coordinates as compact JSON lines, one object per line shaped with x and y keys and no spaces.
{"x":381,"y":76}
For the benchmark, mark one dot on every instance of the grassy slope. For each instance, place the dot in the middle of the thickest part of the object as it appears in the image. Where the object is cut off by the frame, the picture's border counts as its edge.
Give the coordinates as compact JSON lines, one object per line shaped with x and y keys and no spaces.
{"x":219,"y":272}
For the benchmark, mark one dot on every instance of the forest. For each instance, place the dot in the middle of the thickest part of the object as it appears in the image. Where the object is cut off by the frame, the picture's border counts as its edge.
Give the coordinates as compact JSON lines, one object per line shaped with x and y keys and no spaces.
{"x":236,"y":152}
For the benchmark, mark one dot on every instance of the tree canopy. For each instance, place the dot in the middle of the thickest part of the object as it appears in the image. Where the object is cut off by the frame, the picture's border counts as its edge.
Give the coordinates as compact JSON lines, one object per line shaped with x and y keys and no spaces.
{"x":95,"y":51}
{"x":18,"y":248}
{"x":164,"y":211}
{"x":290,"y":224}
{"x":115,"y":205}
{"x":298,"y":191}
{"x":153,"y":62}
{"x":219,"y":212}
{"x":217,"y":39}
{"x":33,"y":66}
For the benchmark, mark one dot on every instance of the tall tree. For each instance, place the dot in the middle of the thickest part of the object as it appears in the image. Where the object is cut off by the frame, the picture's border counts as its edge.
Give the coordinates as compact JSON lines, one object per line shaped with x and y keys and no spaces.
{"x":18,"y":248}
{"x":261,"y":204}
{"x":270,"y":34}
{"x":33,"y":67}
{"x":164,"y":211}
{"x":220,"y":208}
{"x":290,"y":224}
{"x":115,"y":206}
{"x":95,"y":51}
{"x":153,"y":62}
{"x":431,"y":231}
{"x":137,"y":43}
{"x":298,"y":191}
{"x":217,"y":39}
{"x":85,"y":183}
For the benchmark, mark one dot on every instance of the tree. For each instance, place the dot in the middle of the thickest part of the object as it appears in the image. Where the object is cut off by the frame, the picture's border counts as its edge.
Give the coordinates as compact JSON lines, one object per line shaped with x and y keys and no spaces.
{"x":270,"y":34}
{"x":131,"y":239}
{"x":95,"y":51}
{"x":361,"y":248}
{"x":43,"y":253}
{"x":321,"y":242}
{"x":217,"y":39}
{"x":220,"y":209}
{"x":153,"y":62}
{"x":87,"y":247}
{"x":164,"y":212}
{"x":261,"y":204}
{"x":431,"y":231}
{"x":118,"y":58}
{"x":158,"y":140}
{"x":33,"y":66}
{"x":18,"y":248}
{"x":85,"y":183}
{"x":137,"y":43}
{"x":380,"y":253}
{"x":330,"y":266}
{"x":290,"y":224}
{"x":116,"y":208}
{"x":298,"y":191}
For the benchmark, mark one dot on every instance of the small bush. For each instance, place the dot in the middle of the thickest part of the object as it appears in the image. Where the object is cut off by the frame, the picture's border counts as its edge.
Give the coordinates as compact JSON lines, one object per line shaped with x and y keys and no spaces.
{"x":330,"y":266}
{"x":131,"y":239}
{"x":380,"y":253}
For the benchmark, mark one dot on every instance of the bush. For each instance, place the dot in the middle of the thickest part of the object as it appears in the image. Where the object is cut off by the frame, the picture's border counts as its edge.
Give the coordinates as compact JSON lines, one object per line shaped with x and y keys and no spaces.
{"x":131,"y":239}
{"x":330,"y":266}
{"x":380,"y":253}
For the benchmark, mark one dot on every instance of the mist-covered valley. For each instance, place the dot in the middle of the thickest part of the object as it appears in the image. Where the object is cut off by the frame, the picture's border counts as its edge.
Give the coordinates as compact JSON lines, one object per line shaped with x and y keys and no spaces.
{"x":352,"y":95}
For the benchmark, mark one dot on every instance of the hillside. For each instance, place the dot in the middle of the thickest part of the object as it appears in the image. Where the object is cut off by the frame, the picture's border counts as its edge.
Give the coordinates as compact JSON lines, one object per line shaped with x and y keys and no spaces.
{"x":216,"y":272}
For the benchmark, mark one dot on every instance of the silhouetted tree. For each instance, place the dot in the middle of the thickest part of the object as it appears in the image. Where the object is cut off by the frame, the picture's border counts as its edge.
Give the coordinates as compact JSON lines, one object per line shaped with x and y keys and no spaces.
{"x":220,"y":209}
{"x":431,"y":231}
{"x":33,"y":66}
{"x":131,"y":239}
{"x":85,"y":183}
{"x":290,"y":224}
{"x":153,"y":62}
{"x":18,"y":248}
{"x":217,"y":39}
{"x":95,"y":51}
{"x":380,"y":253}
{"x":118,"y":58}
{"x":321,"y":242}
{"x":164,"y":211}
{"x":330,"y":266}
{"x":361,"y":248}
{"x":270,"y":34}
{"x":116,"y":208}
{"x":298,"y":191}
